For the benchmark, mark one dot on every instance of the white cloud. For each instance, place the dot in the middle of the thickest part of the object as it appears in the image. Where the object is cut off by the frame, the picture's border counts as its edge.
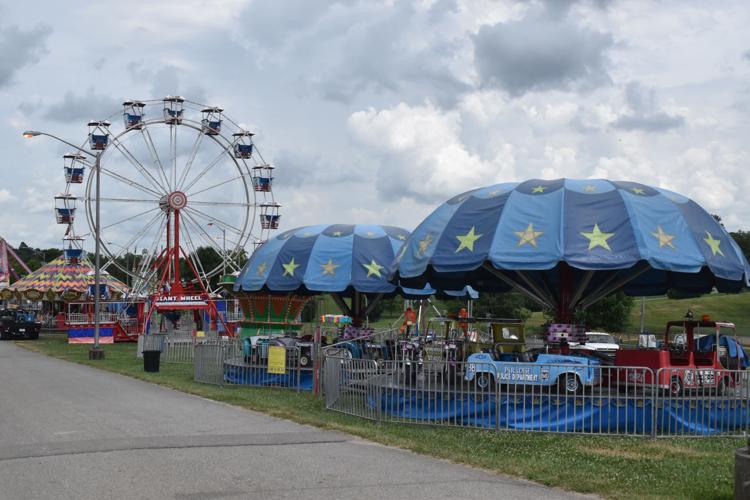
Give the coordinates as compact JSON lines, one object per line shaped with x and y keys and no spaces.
{"x":379,"y":111}
{"x":6,"y":196}
{"x":421,"y":154}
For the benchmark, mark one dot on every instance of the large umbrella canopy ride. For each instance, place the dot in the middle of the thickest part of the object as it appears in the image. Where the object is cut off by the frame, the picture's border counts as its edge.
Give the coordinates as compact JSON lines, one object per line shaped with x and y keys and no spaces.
{"x":342,"y":260}
{"x":566,"y":243}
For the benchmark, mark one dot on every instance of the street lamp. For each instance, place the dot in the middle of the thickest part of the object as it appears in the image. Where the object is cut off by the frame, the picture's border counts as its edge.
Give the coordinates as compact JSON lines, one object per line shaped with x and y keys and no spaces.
{"x":96,"y":352}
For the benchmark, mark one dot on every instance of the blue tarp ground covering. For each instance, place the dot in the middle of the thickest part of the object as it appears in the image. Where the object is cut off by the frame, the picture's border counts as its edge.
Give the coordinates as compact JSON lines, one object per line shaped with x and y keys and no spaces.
{"x":258,"y":376}
{"x":570,"y":414}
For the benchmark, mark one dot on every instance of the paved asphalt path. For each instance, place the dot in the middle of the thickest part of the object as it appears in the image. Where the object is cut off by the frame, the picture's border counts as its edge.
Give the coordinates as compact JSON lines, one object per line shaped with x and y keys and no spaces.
{"x":70,"y":431}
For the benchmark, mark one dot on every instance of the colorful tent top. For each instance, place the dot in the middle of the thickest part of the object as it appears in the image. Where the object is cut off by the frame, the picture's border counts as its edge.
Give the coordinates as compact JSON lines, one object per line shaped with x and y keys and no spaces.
{"x":59,"y":280}
{"x":337,"y":258}
{"x":583,"y":237}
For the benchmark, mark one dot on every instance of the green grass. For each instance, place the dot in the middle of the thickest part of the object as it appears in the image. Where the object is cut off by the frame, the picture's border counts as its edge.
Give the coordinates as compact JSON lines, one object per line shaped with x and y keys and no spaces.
{"x":615,"y":467}
{"x":724,"y":307}
{"x":734,"y":308}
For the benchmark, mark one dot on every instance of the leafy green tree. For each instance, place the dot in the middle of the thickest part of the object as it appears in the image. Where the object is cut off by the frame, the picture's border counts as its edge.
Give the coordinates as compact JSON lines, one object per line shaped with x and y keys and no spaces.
{"x":502,"y":305}
{"x":310,"y":311}
{"x":611,"y":314}
{"x":743,"y":240}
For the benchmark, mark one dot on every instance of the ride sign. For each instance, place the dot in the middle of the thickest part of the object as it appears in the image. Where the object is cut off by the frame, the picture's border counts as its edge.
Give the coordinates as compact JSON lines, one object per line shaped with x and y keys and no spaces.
{"x":277,"y":359}
{"x":518,"y":374}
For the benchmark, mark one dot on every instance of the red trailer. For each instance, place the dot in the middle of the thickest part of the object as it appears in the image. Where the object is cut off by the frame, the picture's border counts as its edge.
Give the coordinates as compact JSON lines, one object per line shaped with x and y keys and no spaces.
{"x":684,"y":362}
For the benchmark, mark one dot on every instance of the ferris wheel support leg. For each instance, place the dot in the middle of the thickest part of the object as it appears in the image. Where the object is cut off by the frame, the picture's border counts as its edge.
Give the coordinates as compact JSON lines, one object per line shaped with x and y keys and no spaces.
{"x":211,"y":304}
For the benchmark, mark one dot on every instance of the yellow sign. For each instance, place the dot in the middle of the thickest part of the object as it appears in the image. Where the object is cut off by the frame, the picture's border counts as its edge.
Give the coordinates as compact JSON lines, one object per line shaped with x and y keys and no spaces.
{"x":277,"y":359}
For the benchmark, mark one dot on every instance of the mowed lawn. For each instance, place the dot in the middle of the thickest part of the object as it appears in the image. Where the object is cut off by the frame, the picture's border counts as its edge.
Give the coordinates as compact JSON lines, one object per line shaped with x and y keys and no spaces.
{"x":614,"y":467}
{"x":734,"y":308}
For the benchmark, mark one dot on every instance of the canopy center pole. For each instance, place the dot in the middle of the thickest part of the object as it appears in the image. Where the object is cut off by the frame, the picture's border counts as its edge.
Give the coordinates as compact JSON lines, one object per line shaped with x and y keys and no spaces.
{"x":564,"y":312}
{"x":357,"y":309}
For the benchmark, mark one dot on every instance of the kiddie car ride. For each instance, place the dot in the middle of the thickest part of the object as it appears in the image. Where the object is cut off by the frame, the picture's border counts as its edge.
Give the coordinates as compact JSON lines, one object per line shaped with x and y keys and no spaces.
{"x":507,"y":364}
{"x":569,"y":373}
{"x":686,"y":359}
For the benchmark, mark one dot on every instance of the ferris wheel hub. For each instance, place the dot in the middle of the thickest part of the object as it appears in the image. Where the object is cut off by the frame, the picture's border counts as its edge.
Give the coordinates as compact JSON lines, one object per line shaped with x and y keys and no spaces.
{"x":176,"y":200}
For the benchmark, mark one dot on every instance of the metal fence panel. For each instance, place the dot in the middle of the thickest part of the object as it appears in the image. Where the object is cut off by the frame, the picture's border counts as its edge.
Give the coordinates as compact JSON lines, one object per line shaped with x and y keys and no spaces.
{"x":247,"y":369}
{"x":602,"y":400}
{"x":179,"y":349}
{"x":703,"y":401}
{"x":151,"y":342}
{"x":209,"y":363}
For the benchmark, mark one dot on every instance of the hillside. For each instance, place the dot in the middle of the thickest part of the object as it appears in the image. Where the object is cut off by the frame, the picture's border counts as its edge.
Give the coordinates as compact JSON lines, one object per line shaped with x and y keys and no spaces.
{"x":659,"y":310}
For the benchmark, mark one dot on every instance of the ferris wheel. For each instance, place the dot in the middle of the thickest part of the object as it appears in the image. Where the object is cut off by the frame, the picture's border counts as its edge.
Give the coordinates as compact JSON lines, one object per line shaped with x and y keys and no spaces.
{"x":182,"y":187}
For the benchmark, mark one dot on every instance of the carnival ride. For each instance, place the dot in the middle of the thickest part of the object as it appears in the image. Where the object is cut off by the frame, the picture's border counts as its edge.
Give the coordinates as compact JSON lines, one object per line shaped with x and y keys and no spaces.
{"x":6,"y":269}
{"x":707,"y":357}
{"x":567,"y":243}
{"x":168,"y":178}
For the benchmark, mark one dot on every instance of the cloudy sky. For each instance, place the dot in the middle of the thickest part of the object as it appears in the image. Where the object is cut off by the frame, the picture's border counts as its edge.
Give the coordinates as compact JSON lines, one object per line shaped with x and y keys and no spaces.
{"x":379,"y":111}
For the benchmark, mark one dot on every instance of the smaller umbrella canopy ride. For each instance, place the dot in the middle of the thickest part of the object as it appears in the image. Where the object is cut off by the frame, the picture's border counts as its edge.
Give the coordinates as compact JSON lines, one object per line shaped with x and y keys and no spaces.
{"x":566,"y":243}
{"x":340,"y":259}
{"x":60,"y":280}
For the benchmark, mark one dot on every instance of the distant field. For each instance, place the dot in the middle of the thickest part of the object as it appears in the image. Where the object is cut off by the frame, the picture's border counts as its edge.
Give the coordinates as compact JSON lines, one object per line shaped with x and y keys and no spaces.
{"x":733,"y":308}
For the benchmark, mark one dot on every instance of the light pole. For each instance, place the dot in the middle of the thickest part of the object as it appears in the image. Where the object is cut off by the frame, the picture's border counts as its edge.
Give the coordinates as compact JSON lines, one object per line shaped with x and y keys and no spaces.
{"x":96,"y":352}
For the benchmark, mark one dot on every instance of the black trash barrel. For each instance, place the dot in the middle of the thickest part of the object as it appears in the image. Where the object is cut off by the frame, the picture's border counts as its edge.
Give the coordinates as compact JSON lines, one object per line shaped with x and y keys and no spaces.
{"x":151,"y":361}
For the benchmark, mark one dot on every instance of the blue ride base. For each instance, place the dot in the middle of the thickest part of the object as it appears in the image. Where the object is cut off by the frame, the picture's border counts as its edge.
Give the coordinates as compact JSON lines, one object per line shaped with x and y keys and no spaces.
{"x":610,"y":415}
{"x":258,"y":376}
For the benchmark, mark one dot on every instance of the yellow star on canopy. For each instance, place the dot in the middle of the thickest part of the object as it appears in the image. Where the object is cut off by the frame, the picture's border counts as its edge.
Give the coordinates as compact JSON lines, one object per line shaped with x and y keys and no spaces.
{"x":589,"y":188}
{"x":401,"y":237}
{"x":424,"y":244}
{"x":262,"y":268}
{"x":494,"y":193}
{"x":538,"y":189}
{"x":337,"y":233}
{"x":467,"y":240}
{"x":329,"y":267}
{"x":597,"y":238}
{"x":638,"y":191}
{"x":528,"y":235}
{"x":664,"y":238}
{"x":370,"y":234}
{"x":373,"y":268}
{"x":289,"y":267}
{"x":714,"y":244}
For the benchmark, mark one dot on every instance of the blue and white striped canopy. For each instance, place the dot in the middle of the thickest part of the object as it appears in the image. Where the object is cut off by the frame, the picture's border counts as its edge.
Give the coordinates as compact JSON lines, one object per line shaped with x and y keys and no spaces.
{"x":338,"y":258}
{"x":611,"y":234}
